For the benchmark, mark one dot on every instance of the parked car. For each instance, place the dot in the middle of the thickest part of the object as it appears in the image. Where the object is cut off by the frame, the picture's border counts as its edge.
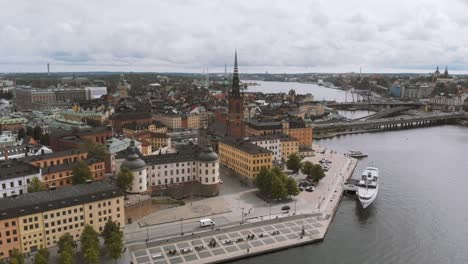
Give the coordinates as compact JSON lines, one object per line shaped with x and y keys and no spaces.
{"x":285,"y":208}
{"x":310,"y":189}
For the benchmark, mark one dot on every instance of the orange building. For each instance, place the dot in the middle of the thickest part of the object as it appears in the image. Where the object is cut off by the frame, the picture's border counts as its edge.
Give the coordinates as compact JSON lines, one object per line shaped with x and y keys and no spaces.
{"x":295,"y":128}
{"x":62,"y":175}
{"x":56,"y":158}
{"x":9,"y":236}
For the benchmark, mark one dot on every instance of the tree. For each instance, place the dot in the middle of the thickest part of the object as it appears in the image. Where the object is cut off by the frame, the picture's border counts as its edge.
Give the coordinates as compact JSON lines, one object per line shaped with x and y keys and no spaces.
{"x":293,"y":163}
{"x":124,"y":179}
{"x":36,"y":185}
{"x":81,"y":172}
{"x":109,"y":228}
{"x":16,"y":257}
{"x":66,"y":249}
{"x":272,"y":183}
{"x":37,"y":133}
{"x":307,"y":168}
{"x":291,"y":187}
{"x":42,"y":256}
{"x":66,"y":257}
{"x":114,"y":244}
{"x":96,"y":150}
{"x":29,"y":131}
{"x":278,"y":189}
{"x":65,"y":242}
{"x":21,"y":133}
{"x":318,"y":173}
{"x":45,"y":139}
{"x":90,"y":244}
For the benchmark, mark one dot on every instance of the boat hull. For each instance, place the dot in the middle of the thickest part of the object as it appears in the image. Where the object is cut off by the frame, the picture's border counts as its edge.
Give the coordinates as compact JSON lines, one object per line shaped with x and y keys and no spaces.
{"x":367,"y":202}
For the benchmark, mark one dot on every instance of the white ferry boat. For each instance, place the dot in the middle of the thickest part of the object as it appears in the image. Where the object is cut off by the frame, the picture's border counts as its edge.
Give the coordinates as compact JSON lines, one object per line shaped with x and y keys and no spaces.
{"x":368,"y":186}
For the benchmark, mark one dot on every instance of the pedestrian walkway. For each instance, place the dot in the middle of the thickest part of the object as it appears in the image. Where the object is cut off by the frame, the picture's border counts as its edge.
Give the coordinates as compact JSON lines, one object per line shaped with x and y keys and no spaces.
{"x":232,"y":242}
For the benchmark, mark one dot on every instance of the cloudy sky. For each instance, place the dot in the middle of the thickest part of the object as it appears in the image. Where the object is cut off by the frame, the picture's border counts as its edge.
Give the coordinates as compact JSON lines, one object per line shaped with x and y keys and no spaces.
{"x":274,"y":36}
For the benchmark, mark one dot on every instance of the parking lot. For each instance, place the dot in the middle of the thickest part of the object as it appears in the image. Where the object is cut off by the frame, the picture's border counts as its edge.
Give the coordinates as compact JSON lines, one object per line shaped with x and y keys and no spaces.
{"x":232,"y":241}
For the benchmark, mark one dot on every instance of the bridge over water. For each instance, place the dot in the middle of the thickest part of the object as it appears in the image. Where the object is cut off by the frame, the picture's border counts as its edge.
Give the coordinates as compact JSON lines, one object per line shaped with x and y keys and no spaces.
{"x":339,"y":128}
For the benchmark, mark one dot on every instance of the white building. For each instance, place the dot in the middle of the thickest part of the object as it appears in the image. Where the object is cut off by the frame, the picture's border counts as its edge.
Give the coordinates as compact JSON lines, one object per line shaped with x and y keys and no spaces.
{"x":189,"y":164}
{"x":137,"y":166}
{"x":15,"y":176}
{"x":21,"y":151}
{"x":269,"y":142}
{"x":95,"y":92}
{"x":7,"y":138}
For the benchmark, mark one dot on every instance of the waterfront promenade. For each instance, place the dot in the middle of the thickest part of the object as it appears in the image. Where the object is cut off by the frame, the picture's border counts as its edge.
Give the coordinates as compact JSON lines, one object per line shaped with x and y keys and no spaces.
{"x":315,"y":210}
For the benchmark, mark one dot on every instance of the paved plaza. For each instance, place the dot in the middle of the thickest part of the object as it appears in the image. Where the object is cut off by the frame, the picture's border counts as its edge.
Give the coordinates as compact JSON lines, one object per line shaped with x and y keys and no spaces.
{"x":289,"y":230}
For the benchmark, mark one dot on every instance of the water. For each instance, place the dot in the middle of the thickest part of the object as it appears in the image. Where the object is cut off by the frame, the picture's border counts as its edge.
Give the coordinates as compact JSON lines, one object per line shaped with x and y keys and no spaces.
{"x":420,"y":214}
{"x":320,"y":92}
{"x":355,"y":114}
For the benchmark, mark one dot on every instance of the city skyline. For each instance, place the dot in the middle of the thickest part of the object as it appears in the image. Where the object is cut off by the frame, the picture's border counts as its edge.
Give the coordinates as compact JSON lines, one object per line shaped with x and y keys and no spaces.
{"x":187,"y":36}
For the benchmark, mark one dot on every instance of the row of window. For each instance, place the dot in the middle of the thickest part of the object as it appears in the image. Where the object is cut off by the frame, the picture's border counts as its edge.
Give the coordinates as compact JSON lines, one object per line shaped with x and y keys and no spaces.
{"x":12,"y":184}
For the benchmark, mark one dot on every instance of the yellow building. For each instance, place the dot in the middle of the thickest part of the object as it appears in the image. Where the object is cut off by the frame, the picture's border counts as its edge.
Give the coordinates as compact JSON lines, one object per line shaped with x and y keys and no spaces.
{"x":44,"y":216}
{"x":289,"y":145}
{"x":243,"y":157}
{"x":295,"y":128}
{"x":172,"y":121}
{"x":31,"y":230}
{"x":193,"y":121}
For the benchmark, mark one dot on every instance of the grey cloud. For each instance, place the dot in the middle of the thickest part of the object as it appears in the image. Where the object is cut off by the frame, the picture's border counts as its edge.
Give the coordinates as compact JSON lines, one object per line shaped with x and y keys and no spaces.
{"x":188,"y":34}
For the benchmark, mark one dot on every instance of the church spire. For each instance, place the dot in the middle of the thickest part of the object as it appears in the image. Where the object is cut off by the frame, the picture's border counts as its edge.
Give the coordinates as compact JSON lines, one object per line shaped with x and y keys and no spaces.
{"x":235,"y":91}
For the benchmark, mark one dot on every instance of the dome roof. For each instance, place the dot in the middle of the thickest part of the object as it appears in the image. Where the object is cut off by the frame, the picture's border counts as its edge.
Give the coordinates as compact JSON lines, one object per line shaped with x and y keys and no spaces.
{"x":133,"y":161}
{"x":207,"y":154}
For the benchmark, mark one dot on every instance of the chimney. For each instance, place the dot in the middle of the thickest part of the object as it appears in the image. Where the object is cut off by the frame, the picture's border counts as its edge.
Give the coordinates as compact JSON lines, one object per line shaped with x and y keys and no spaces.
{"x":6,"y":153}
{"x":42,"y":151}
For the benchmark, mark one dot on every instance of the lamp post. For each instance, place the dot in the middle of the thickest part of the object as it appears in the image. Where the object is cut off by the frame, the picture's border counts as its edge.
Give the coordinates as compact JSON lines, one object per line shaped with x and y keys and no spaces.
{"x":242,"y":216}
{"x":181,"y":231}
{"x":269,"y":203}
{"x":295,"y":206}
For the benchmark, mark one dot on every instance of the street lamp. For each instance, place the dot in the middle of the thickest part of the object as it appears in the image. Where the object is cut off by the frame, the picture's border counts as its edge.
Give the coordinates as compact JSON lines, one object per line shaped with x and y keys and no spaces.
{"x":269,"y":203}
{"x":181,"y":231}
{"x":242,"y":216}
{"x":295,"y":206}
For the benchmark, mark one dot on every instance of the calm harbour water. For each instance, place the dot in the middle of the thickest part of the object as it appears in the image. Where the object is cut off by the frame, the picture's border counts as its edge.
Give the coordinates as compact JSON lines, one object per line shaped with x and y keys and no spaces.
{"x":420,"y":214}
{"x":320,"y":92}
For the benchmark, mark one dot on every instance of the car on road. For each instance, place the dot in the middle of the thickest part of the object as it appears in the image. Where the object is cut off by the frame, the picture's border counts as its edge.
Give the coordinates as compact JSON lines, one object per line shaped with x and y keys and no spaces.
{"x":310,"y":189}
{"x":206,"y":222}
{"x":285,"y":208}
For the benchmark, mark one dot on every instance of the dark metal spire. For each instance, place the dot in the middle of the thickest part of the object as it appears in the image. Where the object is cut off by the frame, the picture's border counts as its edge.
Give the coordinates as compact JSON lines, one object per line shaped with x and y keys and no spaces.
{"x":235,"y":91}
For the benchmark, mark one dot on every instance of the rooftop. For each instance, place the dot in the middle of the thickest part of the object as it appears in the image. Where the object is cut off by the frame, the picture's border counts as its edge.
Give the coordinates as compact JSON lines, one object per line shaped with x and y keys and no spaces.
{"x":54,"y":155}
{"x":244,"y":146}
{"x":12,"y":168}
{"x":66,"y":196}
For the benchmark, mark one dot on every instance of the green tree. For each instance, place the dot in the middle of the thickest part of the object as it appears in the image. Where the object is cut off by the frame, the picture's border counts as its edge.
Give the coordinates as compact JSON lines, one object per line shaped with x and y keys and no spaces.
{"x":278,"y":190}
{"x":66,"y":249}
{"x":65,"y":242}
{"x":318,"y":173}
{"x":307,"y":168}
{"x":263,"y":181}
{"x":21,"y":133}
{"x":37,"y":133}
{"x":293,"y":163}
{"x":124,"y":179}
{"x":291,"y":187}
{"x":96,"y":150}
{"x":81,"y":173}
{"x":29,"y":131}
{"x":45,"y":139}
{"x":36,"y":185}
{"x":66,"y":257}
{"x":42,"y":256}
{"x":109,"y":228}
{"x":90,"y":245}
{"x":114,"y":244}
{"x":16,"y":257}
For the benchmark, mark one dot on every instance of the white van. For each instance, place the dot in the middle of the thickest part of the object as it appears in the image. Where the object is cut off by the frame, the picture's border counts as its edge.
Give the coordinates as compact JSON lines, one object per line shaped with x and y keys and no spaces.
{"x":206,"y":222}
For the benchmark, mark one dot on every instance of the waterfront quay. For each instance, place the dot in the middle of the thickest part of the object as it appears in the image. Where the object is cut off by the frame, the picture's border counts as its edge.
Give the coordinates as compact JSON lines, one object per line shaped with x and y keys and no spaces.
{"x":315,"y":210}
{"x":232,"y":242}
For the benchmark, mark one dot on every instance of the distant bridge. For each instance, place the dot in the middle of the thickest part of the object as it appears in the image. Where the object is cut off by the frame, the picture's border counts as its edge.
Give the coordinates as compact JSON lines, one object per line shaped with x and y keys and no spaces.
{"x":338,"y":128}
{"x":385,"y":113}
{"x":373,"y":105}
